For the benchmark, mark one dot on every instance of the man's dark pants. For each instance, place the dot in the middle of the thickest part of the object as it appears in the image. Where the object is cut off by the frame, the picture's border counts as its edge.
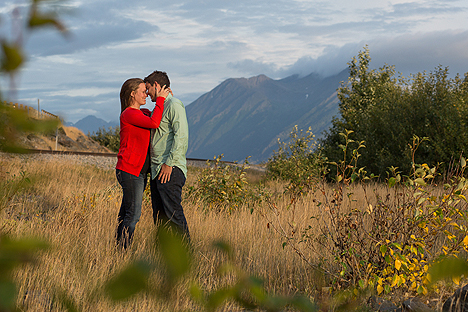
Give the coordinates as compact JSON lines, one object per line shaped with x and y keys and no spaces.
{"x":166,"y":201}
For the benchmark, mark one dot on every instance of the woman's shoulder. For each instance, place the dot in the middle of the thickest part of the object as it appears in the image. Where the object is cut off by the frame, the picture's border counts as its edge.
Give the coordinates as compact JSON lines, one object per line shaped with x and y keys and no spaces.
{"x":129,"y":111}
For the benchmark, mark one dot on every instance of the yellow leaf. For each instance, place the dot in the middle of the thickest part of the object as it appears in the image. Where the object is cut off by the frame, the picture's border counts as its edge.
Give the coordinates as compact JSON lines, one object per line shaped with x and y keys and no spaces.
{"x":456,"y":279}
{"x":379,"y":289}
{"x":465,"y":240}
{"x":397,"y":264}
{"x":402,"y":280}
{"x":428,"y":278}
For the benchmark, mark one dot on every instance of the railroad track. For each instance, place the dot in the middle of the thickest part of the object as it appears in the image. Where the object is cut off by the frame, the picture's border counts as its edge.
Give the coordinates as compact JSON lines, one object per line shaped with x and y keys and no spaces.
{"x":40,"y":151}
{"x":197,"y":162}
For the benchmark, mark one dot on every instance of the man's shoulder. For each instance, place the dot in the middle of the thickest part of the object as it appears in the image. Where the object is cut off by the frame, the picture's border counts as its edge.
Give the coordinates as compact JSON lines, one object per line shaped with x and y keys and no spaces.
{"x":174,"y":101}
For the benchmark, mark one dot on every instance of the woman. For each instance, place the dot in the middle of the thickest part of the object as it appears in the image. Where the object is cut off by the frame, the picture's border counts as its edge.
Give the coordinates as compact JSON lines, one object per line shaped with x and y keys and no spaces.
{"x":133,"y":157}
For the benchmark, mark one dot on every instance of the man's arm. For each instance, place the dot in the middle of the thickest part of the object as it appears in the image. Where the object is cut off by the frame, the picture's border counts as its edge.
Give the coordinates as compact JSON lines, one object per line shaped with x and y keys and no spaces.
{"x":179,"y":126}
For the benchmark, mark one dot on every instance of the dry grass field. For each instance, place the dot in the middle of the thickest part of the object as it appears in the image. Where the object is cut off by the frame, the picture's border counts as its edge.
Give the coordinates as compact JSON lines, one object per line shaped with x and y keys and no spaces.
{"x":74,"y":208}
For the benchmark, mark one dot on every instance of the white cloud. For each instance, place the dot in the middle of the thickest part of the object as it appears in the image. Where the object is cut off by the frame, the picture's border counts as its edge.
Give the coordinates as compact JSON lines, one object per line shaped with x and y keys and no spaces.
{"x":84,"y":92}
{"x":60,"y":59}
{"x":201,"y":43}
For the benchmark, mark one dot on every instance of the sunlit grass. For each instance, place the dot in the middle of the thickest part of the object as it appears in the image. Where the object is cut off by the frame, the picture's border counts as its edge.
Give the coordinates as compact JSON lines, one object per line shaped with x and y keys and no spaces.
{"x":75,"y":207}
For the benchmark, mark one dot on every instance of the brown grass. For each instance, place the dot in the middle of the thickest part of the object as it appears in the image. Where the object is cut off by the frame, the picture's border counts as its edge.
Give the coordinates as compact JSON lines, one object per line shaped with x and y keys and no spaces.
{"x":75,"y":208}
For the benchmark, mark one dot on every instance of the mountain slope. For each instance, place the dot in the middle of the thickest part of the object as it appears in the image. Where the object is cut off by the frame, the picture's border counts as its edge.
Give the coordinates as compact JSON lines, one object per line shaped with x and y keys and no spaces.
{"x":245,"y":117}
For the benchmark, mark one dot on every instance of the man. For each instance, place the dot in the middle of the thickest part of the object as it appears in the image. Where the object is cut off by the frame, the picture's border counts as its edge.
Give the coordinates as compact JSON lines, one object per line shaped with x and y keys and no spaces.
{"x":168,"y":163}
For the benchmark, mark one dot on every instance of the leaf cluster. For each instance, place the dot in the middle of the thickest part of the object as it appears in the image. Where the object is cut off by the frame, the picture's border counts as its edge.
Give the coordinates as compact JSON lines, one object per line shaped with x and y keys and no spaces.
{"x":13,"y":122}
{"x":14,"y":252}
{"x":12,"y":57}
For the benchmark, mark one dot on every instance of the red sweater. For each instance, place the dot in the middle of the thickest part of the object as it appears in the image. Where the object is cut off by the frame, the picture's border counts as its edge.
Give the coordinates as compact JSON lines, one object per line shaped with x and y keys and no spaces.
{"x":135,"y":137}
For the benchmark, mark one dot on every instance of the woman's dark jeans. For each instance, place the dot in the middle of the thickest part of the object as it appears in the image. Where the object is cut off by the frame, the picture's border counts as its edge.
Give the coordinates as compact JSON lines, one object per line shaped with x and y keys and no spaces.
{"x":130,"y":209}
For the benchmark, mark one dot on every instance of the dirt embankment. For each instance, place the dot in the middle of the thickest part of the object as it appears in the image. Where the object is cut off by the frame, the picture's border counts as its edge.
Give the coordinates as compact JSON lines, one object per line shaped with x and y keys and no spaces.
{"x":64,"y":139}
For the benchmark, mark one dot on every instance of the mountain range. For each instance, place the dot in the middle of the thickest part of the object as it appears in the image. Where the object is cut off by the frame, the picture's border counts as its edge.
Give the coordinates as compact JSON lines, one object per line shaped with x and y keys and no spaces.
{"x":91,"y":124}
{"x":244,"y":117}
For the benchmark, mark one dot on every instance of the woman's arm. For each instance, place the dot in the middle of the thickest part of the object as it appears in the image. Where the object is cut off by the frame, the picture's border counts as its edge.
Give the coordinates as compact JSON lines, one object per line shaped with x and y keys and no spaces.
{"x":137,"y":118}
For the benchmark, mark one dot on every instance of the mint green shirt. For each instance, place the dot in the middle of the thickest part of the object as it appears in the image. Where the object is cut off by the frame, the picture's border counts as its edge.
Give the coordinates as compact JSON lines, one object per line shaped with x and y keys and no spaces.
{"x":169,"y":142}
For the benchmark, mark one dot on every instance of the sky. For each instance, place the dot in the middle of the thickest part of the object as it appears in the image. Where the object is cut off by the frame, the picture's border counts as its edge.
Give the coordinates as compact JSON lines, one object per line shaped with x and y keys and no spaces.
{"x":202,"y":43}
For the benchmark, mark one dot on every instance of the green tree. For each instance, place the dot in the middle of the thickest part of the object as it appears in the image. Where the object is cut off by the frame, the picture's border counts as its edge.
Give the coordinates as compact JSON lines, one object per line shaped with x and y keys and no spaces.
{"x":108,"y":138}
{"x":386,"y":111}
{"x":437,"y":110}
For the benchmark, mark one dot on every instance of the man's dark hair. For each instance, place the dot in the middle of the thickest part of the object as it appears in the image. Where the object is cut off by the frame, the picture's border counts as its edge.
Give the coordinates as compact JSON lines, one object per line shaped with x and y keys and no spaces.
{"x":160,"y":77}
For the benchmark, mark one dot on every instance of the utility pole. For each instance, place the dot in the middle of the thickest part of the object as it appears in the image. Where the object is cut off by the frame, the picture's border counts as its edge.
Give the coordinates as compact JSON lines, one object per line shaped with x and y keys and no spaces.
{"x":38,"y":109}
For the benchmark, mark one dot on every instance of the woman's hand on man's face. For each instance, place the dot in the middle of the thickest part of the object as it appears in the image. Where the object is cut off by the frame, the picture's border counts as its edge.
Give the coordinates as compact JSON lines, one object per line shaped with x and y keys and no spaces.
{"x":164,"y":91}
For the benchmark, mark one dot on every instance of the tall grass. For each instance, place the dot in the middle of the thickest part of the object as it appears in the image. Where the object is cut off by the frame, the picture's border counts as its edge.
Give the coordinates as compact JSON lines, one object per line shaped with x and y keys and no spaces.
{"x":75,"y":208}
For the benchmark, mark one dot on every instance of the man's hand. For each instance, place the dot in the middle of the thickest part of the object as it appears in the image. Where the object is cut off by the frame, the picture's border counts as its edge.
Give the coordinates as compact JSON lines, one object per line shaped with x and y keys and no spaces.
{"x":165,"y":173}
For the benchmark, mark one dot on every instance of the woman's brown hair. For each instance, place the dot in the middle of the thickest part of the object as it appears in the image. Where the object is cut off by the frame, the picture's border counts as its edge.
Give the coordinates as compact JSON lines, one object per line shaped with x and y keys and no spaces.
{"x":128,"y":87}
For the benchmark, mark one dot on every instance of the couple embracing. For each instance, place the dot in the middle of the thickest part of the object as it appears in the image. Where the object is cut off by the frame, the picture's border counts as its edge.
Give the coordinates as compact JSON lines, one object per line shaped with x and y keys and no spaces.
{"x":151,"y":142}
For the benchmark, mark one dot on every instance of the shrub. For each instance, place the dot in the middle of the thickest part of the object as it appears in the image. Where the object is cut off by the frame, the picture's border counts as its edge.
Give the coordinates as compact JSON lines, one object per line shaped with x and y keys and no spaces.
{"x":223,"y":186}
{"x":108,"y":138}
{"x":390,"y":241}
{"x":297,"y":163}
